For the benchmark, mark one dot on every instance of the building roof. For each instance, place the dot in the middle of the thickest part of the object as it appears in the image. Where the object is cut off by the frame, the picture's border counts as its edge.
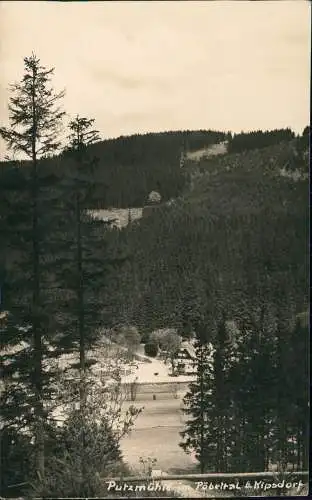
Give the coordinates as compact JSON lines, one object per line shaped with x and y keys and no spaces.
{"x":189,"y":348}
{"x":154,"y":197}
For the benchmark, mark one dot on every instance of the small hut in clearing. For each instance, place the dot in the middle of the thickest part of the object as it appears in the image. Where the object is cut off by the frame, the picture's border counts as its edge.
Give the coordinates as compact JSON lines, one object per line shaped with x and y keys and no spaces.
{"x":153,"y":202}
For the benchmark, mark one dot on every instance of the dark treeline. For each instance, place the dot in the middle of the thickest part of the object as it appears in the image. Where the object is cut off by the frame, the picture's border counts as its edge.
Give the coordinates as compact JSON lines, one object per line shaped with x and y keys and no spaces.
{"x":258,"y":139}
{"x":304,"y":141}
{"x":131,"y":167}
{"x":249,"y":403}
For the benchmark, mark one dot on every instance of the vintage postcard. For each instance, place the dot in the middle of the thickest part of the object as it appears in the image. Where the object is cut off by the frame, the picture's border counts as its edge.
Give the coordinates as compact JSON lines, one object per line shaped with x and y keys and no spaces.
{"x":154,"y":249}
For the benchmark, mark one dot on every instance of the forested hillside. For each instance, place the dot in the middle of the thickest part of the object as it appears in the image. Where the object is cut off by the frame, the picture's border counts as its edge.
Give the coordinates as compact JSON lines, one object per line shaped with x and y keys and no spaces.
{"x":233,"y":248}
{"x":219,"y":201}
{"x":240,"y":215}
{"x":131,"y":167}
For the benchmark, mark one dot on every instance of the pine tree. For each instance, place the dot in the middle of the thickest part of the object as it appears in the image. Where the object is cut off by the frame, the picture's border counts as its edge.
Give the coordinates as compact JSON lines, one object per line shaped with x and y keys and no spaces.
{"x":252,"y":395}
{"x":208,"y":432}
{"x":290,"y":433}
{"x":266,"y":394}
{"x":298,"y":379}
{"x":35,"y":120}
{"x":84,"y":259}
{"x":197,"y":403}
{"x":82,"y":136}
{"x":221,"y":395}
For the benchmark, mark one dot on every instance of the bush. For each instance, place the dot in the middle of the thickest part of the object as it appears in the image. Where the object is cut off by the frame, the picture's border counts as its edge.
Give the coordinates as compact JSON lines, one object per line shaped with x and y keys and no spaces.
{"x":99,"y":451}
{"x":86,"y":447}
{"x":130,"y":337}
{"x":165,"y":337}
{"x":145,"y":338}
{"x":156,"y":338}
{"x":151,"y":349}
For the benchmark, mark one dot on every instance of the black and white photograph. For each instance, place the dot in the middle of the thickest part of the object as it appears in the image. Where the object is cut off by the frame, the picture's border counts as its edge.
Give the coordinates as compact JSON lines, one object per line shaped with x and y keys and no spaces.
{"x":154,"y":249}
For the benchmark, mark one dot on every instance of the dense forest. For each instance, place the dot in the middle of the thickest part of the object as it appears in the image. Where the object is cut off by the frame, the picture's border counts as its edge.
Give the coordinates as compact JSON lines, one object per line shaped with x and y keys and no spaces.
{"x":214,"y":226}
{"x":231,"y":246}
{"x":234,"y":248}
{"x":131,"y":167}
{"x":258,"y":139}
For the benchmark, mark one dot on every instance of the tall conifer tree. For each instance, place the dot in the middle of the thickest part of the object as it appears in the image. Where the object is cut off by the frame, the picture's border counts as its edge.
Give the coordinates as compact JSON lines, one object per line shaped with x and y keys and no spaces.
{"x":35,"y":119}
{"x":85,"y":260}
{"x":208,"y":431}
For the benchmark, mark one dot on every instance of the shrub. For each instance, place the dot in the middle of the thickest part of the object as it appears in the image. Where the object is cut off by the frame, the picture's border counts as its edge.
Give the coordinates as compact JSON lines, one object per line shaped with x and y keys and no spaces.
{"x":99,"y":451}
{"x":151,"y":349}
{"x":145,"y":338}
{"x":129,"y":337}
{"x":86,"y":447}
{"x":156,"y":338}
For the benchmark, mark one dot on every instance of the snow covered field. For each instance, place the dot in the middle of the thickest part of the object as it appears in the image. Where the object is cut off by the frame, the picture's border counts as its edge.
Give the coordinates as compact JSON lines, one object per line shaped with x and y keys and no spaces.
{"x":156,"y":430}
{"x":156,"y":435}
{"x":118,"y":216}
{"x":155,"y":371}
{"x":213,"y":150}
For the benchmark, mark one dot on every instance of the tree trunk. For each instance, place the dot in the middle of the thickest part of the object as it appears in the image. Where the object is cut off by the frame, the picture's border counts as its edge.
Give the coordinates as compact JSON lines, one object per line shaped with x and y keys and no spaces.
{"x":298,"y":438}
{"x":305,"y":438}
{"x":37,"y":333}
{"x":202,"y":414}
{"x":219,"y":388}
{"x":81,"y":333}
{"x":80,"y":303}
{"x":261,"y":449}
{"x":172,"y":364}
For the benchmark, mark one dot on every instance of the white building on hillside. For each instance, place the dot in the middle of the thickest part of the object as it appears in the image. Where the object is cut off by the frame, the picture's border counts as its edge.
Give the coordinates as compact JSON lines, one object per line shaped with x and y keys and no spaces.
{"x":186,"y":358}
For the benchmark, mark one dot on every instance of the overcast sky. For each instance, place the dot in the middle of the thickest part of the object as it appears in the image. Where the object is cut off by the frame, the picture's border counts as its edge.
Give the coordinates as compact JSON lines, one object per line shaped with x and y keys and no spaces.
{"x":155,"y":66}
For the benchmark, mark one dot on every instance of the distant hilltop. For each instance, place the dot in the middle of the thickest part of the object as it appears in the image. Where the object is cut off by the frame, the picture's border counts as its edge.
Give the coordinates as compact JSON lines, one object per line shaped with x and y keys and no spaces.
{"x":287,"y":156}
{"x":129,"y":168}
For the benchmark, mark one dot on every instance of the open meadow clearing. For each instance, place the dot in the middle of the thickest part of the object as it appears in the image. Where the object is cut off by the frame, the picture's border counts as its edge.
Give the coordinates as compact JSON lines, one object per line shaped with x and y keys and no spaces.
{"x":156,"y":434}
